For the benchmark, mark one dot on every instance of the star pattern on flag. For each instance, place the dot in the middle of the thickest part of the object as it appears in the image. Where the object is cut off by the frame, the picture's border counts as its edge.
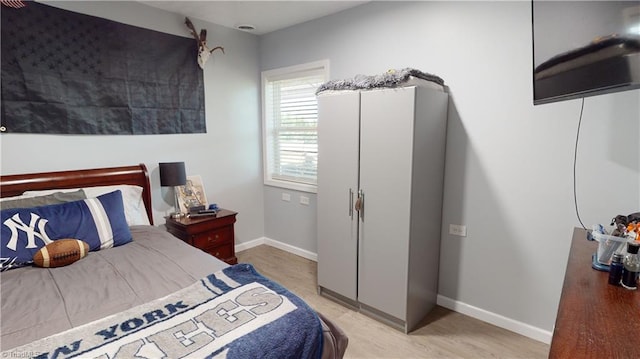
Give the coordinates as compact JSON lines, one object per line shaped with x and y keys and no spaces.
{"x":58,"y":44}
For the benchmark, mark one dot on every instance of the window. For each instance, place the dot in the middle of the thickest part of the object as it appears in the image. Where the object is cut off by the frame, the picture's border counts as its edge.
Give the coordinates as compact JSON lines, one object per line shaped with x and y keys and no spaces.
{"x":289,"y":120}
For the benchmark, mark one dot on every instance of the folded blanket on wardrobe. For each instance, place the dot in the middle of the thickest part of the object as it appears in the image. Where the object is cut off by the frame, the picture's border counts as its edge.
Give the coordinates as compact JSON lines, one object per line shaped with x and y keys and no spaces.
{"x":391,"y":78}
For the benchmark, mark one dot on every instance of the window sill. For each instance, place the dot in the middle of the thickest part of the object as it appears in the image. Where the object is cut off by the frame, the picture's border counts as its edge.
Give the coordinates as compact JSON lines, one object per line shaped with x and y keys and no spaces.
{"x":292,"y":185}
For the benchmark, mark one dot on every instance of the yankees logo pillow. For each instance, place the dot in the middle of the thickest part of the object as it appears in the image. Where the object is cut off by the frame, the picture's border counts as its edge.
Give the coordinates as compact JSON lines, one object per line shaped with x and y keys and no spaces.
{"x":99,"y":221}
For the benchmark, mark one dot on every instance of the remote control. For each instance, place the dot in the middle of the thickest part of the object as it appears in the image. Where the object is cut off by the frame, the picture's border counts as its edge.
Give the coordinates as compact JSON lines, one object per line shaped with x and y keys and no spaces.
{"x":195,"y":215}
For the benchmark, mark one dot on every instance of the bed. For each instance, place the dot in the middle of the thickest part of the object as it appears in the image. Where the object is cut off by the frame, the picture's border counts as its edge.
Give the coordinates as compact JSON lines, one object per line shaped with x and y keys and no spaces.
{"x":151,"y":296}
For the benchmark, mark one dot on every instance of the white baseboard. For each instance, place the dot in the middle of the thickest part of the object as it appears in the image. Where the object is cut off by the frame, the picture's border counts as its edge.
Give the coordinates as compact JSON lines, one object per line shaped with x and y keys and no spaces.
{"x":277,"y":244}
{"x":292,"y":249}
{"x":247,"y":245}
{"x":496,"y":319}
{"x":457,"y":306}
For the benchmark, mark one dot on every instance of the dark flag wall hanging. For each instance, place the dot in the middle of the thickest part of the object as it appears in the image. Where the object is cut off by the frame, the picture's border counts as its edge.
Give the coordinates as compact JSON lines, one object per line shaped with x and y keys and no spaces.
{"x":69,"y":73}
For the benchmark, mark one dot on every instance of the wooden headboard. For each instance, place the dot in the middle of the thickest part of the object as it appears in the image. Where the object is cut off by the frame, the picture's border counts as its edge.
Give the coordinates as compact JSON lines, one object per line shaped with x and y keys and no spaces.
{"x":14,"y":185}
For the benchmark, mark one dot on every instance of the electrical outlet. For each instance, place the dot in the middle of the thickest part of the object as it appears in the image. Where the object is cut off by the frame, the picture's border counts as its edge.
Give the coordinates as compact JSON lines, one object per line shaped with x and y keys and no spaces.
{"x":304,"y":200}
{"x":286,"y":197}
{"x":458,"y":230}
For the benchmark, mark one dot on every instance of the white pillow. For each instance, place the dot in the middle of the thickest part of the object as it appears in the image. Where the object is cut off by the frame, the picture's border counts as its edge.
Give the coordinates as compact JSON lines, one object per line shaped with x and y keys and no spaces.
{"x":134,"y":209}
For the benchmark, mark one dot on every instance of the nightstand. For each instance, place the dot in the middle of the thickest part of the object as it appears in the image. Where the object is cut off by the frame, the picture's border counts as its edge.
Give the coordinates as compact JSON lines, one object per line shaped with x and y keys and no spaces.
{"x":212,"y":234}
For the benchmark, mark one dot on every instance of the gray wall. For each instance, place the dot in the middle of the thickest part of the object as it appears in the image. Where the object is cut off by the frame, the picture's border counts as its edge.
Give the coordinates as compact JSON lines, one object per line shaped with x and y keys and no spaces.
{"x":509,"y":164}
{"x":227,"y":156}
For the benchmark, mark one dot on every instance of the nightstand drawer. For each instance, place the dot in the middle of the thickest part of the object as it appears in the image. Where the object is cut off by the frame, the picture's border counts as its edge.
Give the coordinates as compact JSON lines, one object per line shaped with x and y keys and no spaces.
{"x":223,"y":252}
{"x":213,"y":238}
{"x":212,"y":234}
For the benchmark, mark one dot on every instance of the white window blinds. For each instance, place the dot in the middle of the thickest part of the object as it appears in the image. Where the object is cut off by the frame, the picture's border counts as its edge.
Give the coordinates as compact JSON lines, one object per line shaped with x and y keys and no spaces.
{"x":291,"y":118}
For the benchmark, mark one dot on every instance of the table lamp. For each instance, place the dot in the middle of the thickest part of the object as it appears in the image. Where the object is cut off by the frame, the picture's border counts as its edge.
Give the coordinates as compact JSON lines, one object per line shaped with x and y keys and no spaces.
{"x":172,"y":174}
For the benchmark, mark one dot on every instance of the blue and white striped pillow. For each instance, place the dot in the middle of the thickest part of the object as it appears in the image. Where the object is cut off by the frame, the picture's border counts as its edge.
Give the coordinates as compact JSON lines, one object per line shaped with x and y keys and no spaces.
{"x":99,"y":221}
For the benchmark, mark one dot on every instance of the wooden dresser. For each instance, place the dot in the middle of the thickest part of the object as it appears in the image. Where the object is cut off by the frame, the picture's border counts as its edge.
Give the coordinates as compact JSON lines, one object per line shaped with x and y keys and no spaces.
{"x":595,"y":319}
{"x":212,"y":234}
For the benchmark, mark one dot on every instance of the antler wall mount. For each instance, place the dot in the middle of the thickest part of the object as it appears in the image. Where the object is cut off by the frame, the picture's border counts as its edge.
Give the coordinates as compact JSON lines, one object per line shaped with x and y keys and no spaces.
{"x":203,"y":49}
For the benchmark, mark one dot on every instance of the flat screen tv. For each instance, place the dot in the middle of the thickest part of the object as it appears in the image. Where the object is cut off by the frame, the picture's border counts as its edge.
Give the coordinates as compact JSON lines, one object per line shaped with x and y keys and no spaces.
{"x":584,"y":48}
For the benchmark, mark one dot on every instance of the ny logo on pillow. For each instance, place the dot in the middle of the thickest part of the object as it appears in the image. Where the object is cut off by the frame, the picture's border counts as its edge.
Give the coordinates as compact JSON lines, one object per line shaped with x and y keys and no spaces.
{"x":16,"y":224}
{"x":99,"y":221}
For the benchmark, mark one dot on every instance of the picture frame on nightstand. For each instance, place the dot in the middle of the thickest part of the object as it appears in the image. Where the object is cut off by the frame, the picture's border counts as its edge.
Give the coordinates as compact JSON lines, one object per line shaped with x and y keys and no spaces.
{"x":192,"y":194}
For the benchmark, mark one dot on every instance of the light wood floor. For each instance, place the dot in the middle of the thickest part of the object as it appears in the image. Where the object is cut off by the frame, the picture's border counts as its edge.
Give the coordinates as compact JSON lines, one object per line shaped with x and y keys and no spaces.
{"x":443,"y":334}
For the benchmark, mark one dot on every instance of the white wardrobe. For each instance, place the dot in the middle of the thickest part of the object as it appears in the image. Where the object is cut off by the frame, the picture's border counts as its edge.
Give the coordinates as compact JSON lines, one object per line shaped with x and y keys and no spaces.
{"x":380,"y":180}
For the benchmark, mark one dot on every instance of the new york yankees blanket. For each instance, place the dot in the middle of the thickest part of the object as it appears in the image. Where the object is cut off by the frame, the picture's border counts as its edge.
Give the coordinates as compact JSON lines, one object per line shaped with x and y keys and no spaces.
{"x":233,"y":313}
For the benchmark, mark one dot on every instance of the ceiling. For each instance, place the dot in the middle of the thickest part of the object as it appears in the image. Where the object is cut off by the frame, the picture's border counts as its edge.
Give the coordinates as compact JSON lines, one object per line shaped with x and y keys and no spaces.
{"x":265,"y":16}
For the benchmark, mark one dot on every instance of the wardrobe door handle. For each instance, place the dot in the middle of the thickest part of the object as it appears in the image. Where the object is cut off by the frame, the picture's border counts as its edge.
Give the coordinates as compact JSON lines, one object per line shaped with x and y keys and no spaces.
{"x":360,"y":203}
{"x":351,"y":203}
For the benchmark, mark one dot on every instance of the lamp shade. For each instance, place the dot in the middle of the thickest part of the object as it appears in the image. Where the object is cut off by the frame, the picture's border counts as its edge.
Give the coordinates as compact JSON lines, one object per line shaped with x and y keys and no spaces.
{"x":172,"y":174}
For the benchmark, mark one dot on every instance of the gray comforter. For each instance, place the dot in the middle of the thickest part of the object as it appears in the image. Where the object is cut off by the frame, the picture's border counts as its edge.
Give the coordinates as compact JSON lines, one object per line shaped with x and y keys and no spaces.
{"x":37,"y":302}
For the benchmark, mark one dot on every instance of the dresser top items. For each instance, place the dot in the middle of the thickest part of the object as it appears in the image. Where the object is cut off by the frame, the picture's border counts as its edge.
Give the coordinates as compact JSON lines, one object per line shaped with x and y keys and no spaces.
{"x":595,"y":319}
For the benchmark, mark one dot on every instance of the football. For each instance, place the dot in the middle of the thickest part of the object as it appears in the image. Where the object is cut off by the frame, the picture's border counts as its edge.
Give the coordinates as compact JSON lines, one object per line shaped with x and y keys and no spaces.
{"x":60,"y":253}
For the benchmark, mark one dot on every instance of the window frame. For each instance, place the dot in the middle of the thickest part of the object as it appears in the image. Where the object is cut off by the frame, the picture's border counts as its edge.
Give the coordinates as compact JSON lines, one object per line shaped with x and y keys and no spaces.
{"x":275,"y":75}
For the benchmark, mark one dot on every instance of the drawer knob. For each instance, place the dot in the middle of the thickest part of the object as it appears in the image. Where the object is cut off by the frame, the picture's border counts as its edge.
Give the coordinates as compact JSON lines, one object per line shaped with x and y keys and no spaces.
{"x":217,"y":254}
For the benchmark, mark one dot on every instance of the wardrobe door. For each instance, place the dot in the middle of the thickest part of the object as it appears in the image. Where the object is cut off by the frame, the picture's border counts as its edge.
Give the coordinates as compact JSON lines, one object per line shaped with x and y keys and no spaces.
{"x":338,"y":127}
{"x":386,"y":142}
